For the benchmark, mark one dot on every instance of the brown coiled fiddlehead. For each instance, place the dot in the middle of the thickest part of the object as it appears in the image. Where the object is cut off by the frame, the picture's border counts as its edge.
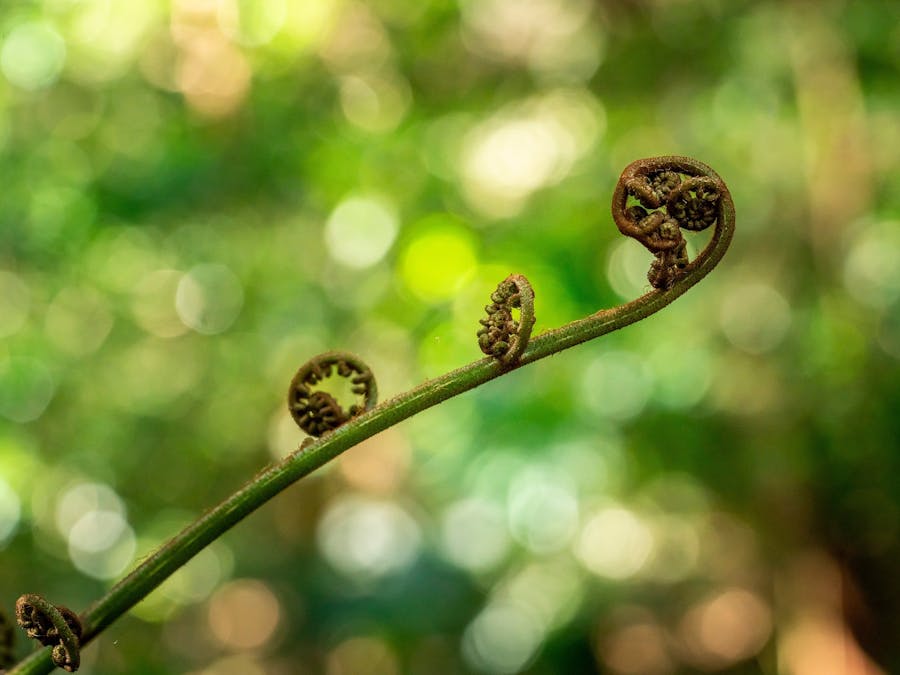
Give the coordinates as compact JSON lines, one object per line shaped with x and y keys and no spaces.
{"x":52,"y":626}
{"x":656,"y":198}
{"x":502,"y":335}
{"x":318,"y":412}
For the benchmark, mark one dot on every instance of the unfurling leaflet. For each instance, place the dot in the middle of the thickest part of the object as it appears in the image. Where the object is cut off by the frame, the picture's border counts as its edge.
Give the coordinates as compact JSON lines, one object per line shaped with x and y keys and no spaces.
{"x":318,"y":412}
{"x":52,"y":626}
{"x":501,"y":335}
{"x":656,"y":198}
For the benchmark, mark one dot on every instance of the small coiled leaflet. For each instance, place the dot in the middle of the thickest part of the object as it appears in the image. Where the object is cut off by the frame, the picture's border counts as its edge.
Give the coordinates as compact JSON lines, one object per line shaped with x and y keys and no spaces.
{"x":501,"y":335}
{"x":52,"y":626}
{"x":672,"y":193}
{"x":318,"y":412}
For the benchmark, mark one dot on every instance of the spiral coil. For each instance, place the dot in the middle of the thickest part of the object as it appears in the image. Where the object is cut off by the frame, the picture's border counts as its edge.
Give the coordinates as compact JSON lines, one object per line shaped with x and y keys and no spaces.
{"x":655,"y":199}
{"x":317,"y":412}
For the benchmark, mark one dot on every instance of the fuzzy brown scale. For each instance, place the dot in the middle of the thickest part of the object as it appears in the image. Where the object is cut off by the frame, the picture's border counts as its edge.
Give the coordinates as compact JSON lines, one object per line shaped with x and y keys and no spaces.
{"x":52,"y":626}
{"x":317,"y":412}
{"x":664,"y":182}
{"x":501,"y":335}
{"x":673,"y":194}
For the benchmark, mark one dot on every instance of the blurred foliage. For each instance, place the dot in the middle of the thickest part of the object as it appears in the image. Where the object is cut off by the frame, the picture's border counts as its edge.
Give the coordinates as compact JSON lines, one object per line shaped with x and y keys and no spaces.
{"x":199,"y":195}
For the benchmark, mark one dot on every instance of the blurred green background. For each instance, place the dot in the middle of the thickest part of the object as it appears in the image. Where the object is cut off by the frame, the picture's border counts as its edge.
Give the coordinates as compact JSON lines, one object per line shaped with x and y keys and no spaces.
{"x":199,"y":195}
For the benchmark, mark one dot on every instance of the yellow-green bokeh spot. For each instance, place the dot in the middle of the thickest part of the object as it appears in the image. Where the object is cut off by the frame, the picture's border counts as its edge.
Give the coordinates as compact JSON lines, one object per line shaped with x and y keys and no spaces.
{"x":438,"y":257}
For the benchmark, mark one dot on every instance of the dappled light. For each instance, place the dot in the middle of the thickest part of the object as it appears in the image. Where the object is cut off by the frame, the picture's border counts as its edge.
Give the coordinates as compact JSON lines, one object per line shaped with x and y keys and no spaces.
{"x":201,"y":195}
{"x":243,"y":614}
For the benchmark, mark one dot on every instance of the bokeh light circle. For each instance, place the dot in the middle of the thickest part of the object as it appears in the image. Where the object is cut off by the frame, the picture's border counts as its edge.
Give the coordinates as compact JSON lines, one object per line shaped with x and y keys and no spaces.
{"x":438,"y":258}
{"x":502,"y":639}
{"x":10,"y":510}
{"x":26,"y":388}
{"x":32,"y":56}
{"x":367,"y":538}
{"x":360,"y":231}
{"x":209,"y":298}
{"x":14,"y":303}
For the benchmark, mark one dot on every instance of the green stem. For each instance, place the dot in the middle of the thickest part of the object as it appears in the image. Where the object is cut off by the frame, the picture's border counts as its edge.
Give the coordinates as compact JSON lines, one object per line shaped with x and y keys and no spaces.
{"x":154,"y":570}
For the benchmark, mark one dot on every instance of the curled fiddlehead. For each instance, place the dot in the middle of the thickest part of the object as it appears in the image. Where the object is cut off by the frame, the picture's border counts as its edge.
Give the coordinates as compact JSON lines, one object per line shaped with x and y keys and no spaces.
{"x":316,"y":411}
{"x":656,"y":198}
{"x":501,"y":335}
{"x":52,"y":626}
{"x":7,"y":641}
